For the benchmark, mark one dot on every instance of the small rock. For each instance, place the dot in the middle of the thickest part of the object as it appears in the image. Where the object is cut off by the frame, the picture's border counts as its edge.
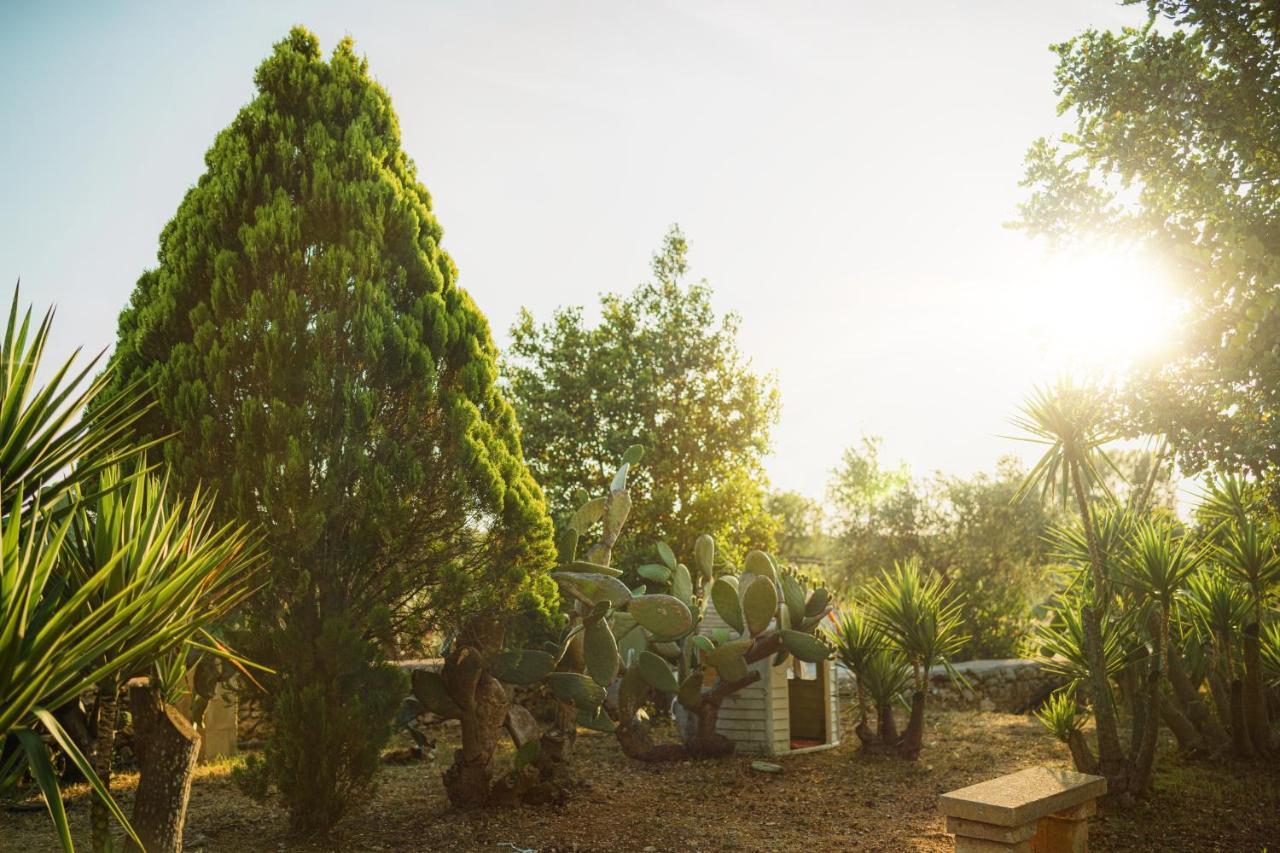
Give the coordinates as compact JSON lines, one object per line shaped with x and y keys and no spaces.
{"x":766,"y":767}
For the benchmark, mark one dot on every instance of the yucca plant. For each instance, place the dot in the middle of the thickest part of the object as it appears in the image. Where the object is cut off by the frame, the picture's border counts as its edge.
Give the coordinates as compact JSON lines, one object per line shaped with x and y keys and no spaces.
{"x":855,"y":641}
{"x":1062,"y":716}
{"x":150,"y":540}
{"x":920,"y":618}
{"x":1248,"y":552}
{"x":1061,"y":643}
{"x":54,"y":642}
{"x":881,"y":674}
{"x":1216,"y":608}
{"x":1073,"y":424}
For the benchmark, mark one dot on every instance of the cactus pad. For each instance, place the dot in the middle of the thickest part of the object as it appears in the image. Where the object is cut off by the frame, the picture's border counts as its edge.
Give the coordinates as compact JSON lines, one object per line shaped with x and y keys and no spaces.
{"x":430,"y":690}
{"x":592,"y":587}
{"x":663,"y":616}
{"x":724,"y":595}
{"x":576,"y":688}
{"x":656,"y":672}
{"x":682,"y":584}
{"x":793,"y":595}
{"x":759,"y":563}
{"x":704,"y":555}
{"x":759,"y":601}
{"x":655,"y":573}
{"x":588,"y":514}
{"x":521,"y":666}
{"x":804,"y":646}
{"x":666,"y":555}
{"x":601,"y":652}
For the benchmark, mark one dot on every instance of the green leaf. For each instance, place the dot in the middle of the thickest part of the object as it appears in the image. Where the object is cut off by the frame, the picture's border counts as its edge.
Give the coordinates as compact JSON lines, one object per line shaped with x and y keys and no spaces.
{"x":47,"y":780}
{"x":806,"y":647}
{"x":521,"y":666}
{"x":633,"y":454}
{"x":69,"y":748}
{"x":682,"y":585}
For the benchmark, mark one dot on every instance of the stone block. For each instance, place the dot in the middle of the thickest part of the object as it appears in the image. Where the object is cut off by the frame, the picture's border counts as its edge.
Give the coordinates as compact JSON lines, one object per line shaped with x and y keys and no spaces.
{"x":1022,"y":797}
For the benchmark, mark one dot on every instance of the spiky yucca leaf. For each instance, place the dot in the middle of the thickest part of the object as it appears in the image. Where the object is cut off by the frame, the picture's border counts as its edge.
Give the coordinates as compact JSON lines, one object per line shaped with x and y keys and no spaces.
{"x":1061,"y":715}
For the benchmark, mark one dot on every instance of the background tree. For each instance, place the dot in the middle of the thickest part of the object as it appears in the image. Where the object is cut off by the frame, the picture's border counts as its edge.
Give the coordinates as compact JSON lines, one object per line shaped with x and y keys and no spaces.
{"x":800,"y":531}
{"x":663,"y":370}
{"x":319,"y":366}
{"x":1174,"y":145}
{"x":987,"y":547}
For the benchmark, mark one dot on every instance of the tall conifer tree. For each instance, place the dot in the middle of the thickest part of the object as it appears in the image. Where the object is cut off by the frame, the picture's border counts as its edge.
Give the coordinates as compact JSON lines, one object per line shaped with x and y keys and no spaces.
{"x":316,"y":362}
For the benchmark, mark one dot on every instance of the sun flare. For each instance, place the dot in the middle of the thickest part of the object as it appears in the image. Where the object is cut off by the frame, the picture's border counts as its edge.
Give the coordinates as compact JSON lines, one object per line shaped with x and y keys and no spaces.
{"x":1097,"y":311}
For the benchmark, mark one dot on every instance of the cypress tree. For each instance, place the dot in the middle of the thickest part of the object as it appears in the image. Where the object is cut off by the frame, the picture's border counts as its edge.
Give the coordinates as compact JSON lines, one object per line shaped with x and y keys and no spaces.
{"x":315,"y":362}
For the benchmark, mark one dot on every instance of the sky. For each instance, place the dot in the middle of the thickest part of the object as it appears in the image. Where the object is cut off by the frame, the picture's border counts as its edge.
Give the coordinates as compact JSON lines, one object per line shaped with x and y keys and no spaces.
{"x":843,"y":172}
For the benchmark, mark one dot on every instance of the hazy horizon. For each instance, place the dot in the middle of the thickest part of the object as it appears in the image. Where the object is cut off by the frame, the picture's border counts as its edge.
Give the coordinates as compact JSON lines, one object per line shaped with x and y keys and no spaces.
{"x":842,"y":175}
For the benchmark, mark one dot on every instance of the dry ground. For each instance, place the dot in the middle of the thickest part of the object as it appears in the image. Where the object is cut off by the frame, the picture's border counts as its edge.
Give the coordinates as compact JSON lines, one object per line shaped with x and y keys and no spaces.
{"x":833,"y":800}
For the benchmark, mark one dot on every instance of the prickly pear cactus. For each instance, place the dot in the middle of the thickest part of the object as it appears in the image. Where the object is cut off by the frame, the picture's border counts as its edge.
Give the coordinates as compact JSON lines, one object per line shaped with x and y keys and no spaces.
{"x":655,"y":640}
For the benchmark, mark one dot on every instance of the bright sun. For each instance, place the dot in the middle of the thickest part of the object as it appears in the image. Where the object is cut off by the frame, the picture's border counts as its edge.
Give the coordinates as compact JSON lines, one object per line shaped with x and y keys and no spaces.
{"x":1100,"y":311}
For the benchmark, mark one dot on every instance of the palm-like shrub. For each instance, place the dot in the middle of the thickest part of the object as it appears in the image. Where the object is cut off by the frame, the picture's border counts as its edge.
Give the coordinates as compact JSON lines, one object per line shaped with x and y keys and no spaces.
{"x":881,"y":674}
{"x":921,"y":620}
{"x":60,"y":632}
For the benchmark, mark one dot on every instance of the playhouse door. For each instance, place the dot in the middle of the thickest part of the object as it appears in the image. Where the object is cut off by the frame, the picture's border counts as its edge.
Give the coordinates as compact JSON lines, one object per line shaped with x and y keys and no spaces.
{"x":807,"y":701}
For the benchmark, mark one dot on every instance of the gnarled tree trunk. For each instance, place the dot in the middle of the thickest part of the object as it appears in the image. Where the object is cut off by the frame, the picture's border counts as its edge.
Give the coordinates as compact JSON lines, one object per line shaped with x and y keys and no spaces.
{"x":483,"y":702}
{"x":167,"y":746}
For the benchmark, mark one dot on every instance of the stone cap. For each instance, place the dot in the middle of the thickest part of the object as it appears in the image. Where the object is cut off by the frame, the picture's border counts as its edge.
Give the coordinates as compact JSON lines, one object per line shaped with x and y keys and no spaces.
{"x":1022,"y":797}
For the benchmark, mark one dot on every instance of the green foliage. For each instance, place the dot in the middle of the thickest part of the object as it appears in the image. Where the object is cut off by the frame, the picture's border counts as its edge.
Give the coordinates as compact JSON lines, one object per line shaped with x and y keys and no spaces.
{"x":970,"y":530}
{"x":320,"y":368}
{"x":663,"y":369}
{"x":1173,"y":146}
{"x":252,"y":777}
{"x":100,"y":574}
{"x":332,"y":709}
{"x":918,"y":614}
{"x":1061,"y":715}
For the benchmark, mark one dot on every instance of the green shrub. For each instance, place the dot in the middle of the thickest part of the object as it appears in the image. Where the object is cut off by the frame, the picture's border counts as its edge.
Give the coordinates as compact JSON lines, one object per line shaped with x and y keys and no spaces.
{"x":332,"y":711}
{"x":251,"y":777}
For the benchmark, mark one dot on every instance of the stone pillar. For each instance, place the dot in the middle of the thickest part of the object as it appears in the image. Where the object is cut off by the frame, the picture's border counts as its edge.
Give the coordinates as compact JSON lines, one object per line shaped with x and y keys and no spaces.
{"x":1066,"y":831}
{"x":221,"y":730}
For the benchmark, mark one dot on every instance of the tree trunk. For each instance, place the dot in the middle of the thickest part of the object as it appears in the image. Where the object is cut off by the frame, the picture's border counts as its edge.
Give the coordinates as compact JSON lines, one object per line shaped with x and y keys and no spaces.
{"x":1240,"y":740}
{"x":1193,"y":704}
{"x":105,"y":710}
{"x":1080,"y":753}
{"x":1110,"y":753}
{"x":483,"y":702}
{"x":888,"y":731}
{"x":1255,"y":703}
{"x":1144,"y":747}
{"x":167,"y":746}
{"x":913,"y":738}
{"x":1189,"y":739}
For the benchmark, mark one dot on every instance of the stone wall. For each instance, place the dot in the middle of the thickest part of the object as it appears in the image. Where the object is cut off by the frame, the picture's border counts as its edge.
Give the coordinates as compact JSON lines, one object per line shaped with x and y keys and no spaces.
{"x":1011,"y":686}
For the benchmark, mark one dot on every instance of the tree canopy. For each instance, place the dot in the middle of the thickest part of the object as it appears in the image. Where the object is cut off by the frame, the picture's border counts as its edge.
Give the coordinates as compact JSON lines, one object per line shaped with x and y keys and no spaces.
{"x":317,"y":364}
{"x":1175,"y":145}
{"x":661,"y":369}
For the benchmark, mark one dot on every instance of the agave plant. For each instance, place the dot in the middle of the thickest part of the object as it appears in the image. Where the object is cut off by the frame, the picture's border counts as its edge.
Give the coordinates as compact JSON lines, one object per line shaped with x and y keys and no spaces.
{"x":59,"y":633}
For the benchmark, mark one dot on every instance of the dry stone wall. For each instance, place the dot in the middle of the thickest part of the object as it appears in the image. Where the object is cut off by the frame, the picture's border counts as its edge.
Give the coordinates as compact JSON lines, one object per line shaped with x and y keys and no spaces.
{"x":1012,"y":686}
